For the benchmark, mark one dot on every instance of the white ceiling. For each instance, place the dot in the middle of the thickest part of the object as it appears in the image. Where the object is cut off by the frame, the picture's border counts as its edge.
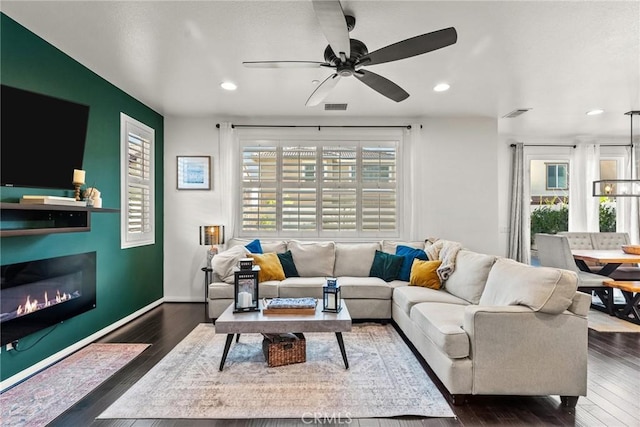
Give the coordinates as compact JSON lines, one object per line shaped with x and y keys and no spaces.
{"x":559,"y":58}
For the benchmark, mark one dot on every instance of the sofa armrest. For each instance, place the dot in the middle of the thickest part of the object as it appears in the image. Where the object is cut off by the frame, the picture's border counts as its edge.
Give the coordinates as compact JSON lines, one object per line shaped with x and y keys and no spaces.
{"x":515,"y":350}
{"x":580,"y":304}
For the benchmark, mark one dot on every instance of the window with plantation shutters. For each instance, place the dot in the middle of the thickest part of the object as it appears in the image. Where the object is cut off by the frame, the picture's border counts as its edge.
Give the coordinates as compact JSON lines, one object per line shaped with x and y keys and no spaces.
{"x":137,"y":150}
{"x":319,"y":188}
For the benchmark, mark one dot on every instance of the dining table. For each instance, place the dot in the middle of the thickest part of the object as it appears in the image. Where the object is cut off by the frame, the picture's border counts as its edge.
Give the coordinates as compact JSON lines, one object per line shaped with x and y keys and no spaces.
{"x":611,"y":259}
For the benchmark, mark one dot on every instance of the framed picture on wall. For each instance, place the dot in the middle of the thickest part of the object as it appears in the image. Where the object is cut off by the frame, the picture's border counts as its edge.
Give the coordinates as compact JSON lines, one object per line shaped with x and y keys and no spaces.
{"x":194,"y":172}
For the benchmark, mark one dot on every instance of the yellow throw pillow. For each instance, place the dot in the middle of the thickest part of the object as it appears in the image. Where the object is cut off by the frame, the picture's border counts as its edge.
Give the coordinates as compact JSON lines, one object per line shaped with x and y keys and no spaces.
{"x":423,"y":273}
{"x":270,"y":267}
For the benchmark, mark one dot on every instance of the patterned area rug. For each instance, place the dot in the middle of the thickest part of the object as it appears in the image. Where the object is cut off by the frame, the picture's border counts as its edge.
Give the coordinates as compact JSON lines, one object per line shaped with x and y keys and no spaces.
{"x":42,"y":397}
{"x":384,"y":379}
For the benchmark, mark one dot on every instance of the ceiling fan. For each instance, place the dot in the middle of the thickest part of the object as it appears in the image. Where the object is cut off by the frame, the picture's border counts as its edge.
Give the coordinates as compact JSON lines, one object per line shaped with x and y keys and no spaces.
{"x":353,"y":54}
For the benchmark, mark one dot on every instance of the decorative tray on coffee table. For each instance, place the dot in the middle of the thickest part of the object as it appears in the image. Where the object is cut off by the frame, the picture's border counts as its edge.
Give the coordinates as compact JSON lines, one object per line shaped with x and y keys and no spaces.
{"x":631,"y":249}
{"x":289,"y":306}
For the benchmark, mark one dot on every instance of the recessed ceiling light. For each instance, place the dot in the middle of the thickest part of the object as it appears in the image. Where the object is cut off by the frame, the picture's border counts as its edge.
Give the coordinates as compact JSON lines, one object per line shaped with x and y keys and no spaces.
{"x":315,"y":82}
{"x":228,"y":86}
{"x":594,"y":112}
{"x":441,"y":87}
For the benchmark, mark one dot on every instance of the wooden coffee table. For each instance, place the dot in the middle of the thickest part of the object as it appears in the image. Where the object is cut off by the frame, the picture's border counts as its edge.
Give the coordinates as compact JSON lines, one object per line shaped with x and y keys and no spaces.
{"x":255,"y":322}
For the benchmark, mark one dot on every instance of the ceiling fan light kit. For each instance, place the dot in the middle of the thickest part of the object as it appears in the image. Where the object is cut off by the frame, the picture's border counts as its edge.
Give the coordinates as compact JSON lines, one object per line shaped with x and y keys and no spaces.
{"x":348,"y":56}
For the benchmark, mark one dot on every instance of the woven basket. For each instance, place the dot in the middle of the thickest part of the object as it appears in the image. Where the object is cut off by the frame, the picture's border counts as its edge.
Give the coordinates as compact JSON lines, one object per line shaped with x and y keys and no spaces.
{"x":279,"y":352}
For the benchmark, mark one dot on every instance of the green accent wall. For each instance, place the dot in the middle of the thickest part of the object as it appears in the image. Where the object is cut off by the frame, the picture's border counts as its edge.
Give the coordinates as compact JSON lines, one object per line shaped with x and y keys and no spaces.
{"x":127,"y":279}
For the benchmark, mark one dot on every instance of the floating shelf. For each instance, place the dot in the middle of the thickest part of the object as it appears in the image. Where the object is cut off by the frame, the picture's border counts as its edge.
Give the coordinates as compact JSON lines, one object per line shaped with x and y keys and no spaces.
{"x":28,"y":220}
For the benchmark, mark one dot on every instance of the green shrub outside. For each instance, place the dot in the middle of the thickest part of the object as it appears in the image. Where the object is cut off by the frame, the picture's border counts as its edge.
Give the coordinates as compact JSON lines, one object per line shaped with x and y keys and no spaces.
{"x":551,"y":220}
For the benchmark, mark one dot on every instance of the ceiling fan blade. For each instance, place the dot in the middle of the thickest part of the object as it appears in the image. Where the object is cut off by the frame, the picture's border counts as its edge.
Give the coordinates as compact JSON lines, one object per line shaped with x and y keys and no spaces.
{"x":382,"y":85}
{"x":411,"y":47}
{"x":284,"y":64}
{"x":322,"y":90}
{"x":334,"y":25}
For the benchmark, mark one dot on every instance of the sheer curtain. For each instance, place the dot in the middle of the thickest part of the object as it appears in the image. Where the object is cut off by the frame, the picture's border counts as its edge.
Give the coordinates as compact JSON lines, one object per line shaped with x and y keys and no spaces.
{"x":411,"y":206}
{"x":583,"y":207}
{"x":229,"y":181}
{"x":518,"y":234}
{"x":630,"y":206}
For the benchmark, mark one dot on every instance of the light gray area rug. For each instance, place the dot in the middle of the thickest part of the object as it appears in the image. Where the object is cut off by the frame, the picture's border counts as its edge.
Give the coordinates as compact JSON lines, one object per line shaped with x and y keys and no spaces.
{"x":384,"y":379}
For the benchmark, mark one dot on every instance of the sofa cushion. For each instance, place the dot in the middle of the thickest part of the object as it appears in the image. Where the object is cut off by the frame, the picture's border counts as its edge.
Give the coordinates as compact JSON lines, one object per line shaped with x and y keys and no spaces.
{"x":277,"y":246}
{"x":390,"y":246}
{"x":219,"y":290}
{"x":289,"y":267}
{"x":364,"y":288}
{"x":386,"y":266}
{"x":254,"y":247}
{"x":425,"y":273}
{"x":544,"y":289}
{"x":470,"y":276}
{"x":354,"y":259}
{"x":224,"y":263}
{"x":409,"y":255}
{"x":313,"y":258}
{"x":442,"y":324}
{"x":405,"y":297}
{"x":270,"y":267}
{"x":300,"y":287}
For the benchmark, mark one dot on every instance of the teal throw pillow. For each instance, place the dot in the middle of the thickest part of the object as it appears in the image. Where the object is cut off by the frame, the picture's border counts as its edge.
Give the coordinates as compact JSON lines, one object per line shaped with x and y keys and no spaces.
{"x":386,"y":266}
{"x":408,"y":254}
{"x":286,"y":259}
{"x":254,"y":247}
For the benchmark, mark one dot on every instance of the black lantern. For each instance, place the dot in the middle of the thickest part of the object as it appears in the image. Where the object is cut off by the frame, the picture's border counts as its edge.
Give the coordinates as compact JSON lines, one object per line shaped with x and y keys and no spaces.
{"x":331,"y":301}
{"x":246,"y":289}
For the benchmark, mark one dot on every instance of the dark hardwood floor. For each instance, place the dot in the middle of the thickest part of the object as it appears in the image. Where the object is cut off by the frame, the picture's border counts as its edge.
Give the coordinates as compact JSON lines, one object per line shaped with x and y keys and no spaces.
{"x":613,"y":397}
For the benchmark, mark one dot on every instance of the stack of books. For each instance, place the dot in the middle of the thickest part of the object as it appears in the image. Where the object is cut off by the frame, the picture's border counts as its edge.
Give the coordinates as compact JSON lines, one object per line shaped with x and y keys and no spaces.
{"x":51,"y":200}
{"x":290,"y":306}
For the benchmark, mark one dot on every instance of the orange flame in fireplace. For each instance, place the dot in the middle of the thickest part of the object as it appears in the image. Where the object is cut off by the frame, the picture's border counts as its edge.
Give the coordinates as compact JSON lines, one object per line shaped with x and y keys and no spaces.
{"x":31,"y":306}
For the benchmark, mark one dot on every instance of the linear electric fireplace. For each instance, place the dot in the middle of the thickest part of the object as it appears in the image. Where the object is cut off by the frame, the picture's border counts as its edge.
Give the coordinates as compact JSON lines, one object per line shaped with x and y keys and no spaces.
{"x":37,"y":294}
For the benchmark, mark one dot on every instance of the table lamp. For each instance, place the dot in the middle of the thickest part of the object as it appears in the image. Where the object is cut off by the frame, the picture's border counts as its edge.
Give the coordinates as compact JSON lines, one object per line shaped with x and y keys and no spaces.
{"x":211,"y":235}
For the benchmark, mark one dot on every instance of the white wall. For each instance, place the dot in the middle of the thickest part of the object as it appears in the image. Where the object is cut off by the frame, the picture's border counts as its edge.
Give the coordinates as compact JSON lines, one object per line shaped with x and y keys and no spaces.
{"x":186,"y":210}
{"x":456,"y":188}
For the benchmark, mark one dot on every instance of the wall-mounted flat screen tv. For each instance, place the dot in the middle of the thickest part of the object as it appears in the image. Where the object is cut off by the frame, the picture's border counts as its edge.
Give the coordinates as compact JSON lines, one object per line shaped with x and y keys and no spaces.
{"x":43,"y":139}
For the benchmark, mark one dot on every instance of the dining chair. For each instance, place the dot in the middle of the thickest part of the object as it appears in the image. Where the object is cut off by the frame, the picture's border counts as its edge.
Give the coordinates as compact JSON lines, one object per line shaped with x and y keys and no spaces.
{"x":608,"y":241}
{"x":578,"y":239}
{"x":554,"y":251}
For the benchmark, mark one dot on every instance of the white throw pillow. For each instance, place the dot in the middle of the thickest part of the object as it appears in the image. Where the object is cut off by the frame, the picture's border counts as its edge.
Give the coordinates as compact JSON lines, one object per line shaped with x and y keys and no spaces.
{"x":313,"y":259}
{"x":277,"y":246}
{"x":224,"y":263}
{"x":355,"y":259}
{"x":543,"y":289}
{"x":470,"y":276}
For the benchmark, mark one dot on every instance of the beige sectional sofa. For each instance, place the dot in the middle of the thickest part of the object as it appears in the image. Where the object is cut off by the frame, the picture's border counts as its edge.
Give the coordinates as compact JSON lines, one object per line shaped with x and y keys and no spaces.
{"x":497,"y":326}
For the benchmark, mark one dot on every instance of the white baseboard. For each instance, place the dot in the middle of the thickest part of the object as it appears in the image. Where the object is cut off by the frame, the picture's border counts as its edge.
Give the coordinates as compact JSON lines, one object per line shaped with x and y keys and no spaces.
{"x":22,"y":375}
{"x":183,"y":299}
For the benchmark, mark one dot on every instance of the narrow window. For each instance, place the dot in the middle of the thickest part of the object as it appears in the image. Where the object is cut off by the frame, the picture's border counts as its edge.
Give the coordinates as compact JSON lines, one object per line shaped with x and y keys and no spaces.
{"x":137,"y":178}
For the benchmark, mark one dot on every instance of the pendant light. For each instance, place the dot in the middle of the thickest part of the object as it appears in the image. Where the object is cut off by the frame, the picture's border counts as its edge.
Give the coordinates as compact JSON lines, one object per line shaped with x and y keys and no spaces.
{"x":621,"y":187}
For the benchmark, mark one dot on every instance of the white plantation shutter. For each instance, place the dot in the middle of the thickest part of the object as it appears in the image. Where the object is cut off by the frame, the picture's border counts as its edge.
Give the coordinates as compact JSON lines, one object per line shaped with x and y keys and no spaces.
{"x":379,"y":205}
{"x":138,"y":217}
{"x":319,"y":188}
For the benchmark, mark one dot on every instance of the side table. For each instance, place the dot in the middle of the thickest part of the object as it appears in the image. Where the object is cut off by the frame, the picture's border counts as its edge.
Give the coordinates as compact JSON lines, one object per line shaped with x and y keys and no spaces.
{"x":208,"y":277}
